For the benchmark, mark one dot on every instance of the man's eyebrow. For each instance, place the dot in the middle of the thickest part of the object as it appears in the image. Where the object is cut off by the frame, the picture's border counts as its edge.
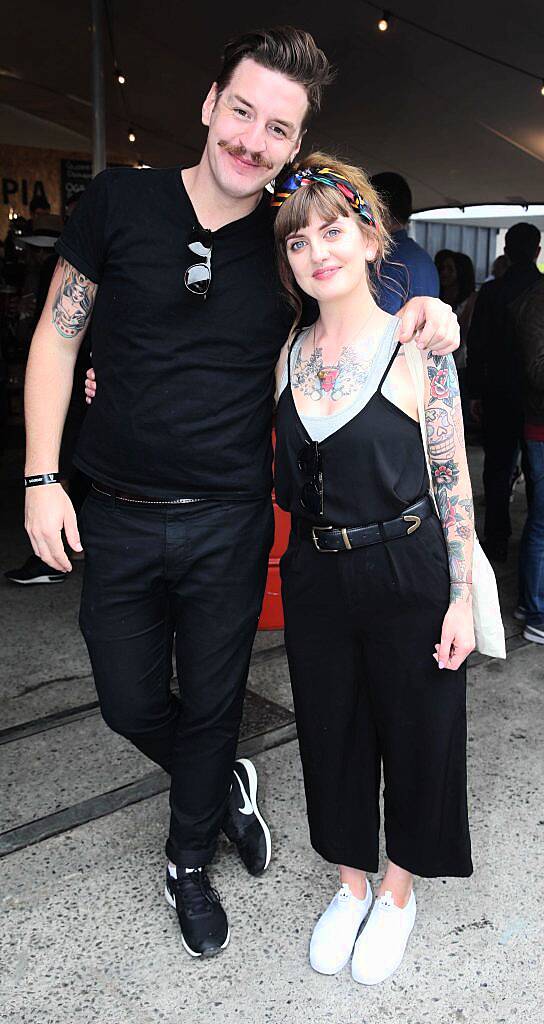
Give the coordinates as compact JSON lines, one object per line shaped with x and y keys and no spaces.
{"x":278,"y":120}
{"x":240,"y":99}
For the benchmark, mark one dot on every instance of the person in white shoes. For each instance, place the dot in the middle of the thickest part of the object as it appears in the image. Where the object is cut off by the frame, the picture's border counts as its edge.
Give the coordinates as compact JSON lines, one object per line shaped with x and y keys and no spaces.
{"x":377,"y":636}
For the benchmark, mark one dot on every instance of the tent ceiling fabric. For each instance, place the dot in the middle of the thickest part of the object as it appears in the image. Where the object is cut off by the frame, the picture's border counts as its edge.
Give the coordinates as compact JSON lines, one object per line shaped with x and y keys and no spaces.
{"x":460,"y":129}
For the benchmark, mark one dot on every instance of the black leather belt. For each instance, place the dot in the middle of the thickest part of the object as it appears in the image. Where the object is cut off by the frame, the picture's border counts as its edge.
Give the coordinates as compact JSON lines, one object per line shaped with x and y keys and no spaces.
{"x":334,"y":538}
{"x":138,"y":499}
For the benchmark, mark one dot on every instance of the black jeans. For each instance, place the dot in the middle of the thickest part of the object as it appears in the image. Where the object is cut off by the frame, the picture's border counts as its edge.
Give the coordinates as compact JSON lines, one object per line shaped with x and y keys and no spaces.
{"x":198,"y":572}
{"x":503,"y":431}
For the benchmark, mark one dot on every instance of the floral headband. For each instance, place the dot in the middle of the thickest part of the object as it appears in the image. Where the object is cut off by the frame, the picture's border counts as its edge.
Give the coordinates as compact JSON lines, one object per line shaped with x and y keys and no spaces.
{"x":324,"y":176}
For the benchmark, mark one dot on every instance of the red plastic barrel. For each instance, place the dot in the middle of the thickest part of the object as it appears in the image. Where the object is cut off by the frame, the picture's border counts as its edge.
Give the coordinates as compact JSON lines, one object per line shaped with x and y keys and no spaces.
{"x":272,"y":611}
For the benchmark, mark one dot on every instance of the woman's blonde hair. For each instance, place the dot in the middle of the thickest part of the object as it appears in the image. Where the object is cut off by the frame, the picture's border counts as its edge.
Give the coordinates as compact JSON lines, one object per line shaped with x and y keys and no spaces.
{"x":330,"y":203}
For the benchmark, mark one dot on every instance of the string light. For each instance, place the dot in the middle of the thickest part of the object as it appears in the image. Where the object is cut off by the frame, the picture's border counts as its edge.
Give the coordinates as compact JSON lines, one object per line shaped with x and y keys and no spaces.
{"x":121,"y":77}
{"x":131,"y":137}
{"x":385,"y":21}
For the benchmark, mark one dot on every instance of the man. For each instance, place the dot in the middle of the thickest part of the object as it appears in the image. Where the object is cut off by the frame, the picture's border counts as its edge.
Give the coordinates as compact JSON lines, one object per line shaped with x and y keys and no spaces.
{"x":408,"y":270}
{"x":493,"y":380}
{"x":187,"y":327}
{"x":529,"y":335}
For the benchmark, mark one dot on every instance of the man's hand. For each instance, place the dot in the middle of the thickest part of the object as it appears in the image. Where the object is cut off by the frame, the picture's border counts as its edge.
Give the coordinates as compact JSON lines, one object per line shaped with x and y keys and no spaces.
{"x":90,"y":385}
{"x":47,"y":510}
{"x":433,"y":322}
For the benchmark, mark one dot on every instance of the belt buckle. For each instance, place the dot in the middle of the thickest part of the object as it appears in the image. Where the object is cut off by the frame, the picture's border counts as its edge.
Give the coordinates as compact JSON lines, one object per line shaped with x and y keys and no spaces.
{"x":416,"y":523}
{"x":322,"y":551}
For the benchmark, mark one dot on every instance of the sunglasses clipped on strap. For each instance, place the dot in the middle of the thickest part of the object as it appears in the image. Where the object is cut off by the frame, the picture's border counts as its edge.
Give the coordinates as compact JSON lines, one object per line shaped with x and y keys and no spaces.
{"x":311,"y":493}
{"x":199,"y":275}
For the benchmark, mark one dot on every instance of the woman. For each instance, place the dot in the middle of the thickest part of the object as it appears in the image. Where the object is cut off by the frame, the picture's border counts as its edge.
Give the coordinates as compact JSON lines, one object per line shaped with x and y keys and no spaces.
{"x":376,"y":587}
{"x":458,"y":288}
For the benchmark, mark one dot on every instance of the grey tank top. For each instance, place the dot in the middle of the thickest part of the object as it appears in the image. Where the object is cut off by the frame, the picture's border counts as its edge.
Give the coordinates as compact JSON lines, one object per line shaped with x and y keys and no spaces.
{"x":319,"y":427}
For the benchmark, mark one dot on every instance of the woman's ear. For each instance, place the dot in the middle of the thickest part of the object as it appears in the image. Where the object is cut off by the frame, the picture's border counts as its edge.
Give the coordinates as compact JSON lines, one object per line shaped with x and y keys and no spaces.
{"x":371,"y":251}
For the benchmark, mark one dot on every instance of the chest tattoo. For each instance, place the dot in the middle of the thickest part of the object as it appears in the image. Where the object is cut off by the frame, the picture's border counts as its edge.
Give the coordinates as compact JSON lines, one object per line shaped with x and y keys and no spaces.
{"x":316,"y":379}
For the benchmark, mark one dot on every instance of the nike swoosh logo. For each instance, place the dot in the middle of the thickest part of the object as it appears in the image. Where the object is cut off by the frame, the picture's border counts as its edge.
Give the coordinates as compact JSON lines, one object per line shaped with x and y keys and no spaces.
{"x":248,"y":806}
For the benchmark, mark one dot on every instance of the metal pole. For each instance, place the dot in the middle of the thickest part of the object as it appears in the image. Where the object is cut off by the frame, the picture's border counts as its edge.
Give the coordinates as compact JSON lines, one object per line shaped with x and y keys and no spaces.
{"x":97,"y":87}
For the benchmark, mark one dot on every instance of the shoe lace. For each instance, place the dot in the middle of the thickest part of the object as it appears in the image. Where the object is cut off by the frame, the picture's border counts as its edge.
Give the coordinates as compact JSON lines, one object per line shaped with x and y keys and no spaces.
{"x":195,"y":887}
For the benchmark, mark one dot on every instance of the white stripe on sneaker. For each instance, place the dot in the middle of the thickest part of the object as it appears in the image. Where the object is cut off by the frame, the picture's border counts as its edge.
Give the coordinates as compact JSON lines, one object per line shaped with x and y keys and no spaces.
{"x":252,"y":778}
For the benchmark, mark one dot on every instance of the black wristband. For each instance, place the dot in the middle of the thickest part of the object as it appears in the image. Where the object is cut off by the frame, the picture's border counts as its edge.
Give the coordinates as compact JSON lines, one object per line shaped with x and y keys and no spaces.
{"x":42,"y":478}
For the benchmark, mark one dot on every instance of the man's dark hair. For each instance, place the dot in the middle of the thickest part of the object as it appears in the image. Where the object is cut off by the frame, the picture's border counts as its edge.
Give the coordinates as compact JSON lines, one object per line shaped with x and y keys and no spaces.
{"x":522,"y":242}
{"x":395,"y":193}
{"x":291,"y":51}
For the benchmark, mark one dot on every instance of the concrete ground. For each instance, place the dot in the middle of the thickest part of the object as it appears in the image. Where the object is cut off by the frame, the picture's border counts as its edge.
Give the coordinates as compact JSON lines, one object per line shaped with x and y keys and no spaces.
{"x":87,"y":936}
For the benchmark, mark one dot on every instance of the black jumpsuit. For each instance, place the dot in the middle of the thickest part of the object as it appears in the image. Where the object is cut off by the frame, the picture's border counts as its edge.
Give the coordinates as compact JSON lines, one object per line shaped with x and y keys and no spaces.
{"x":360,"y":630}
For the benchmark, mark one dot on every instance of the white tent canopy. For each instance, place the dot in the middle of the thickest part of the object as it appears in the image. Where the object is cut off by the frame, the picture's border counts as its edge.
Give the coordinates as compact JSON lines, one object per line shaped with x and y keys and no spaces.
{"x":461,"y":129}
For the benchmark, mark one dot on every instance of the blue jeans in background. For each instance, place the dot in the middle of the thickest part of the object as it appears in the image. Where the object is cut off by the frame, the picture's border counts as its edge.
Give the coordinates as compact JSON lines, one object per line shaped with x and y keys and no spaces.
{"x":531,"y":555}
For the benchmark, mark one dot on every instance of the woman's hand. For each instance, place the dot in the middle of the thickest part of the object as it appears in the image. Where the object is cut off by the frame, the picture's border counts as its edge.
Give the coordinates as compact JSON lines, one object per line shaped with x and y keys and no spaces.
{"x":90,"y":385}
{"x":457,"y":640}
{"x":435,"y":322}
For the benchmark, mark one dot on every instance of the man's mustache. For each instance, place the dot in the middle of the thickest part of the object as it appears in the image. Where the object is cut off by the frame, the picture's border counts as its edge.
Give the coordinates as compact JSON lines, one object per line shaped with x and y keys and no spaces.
{"x":256,"y":158}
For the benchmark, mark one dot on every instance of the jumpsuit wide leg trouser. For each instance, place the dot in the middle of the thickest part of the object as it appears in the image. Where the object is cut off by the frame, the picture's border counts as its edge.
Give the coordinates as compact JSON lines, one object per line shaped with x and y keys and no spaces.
{"x":360,"y":630}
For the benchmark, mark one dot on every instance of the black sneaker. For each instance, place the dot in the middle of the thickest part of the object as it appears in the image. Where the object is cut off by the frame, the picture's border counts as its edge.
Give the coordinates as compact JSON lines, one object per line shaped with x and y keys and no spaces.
{"x":203,"y":922}
{"x":243,"y":823}
{"x":35,"y":571}
{"x":534,"y":633}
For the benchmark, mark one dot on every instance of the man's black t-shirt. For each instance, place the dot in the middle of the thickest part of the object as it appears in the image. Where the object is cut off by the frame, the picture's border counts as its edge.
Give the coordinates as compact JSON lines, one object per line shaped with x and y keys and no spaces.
{"x":185,"y":384}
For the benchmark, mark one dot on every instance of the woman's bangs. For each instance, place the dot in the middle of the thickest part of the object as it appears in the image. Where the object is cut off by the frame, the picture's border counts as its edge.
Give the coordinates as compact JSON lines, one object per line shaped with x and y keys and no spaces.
{"x":296,"y":212}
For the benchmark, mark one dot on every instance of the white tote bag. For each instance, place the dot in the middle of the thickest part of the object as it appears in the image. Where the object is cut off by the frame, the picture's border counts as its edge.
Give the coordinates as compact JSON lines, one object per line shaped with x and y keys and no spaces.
{"x":488,"y":627}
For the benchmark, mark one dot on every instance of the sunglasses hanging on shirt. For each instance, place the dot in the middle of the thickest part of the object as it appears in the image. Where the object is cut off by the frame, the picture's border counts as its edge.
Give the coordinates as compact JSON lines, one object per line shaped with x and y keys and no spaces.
{"x":199,"y":275}
{"x":311,"y":493}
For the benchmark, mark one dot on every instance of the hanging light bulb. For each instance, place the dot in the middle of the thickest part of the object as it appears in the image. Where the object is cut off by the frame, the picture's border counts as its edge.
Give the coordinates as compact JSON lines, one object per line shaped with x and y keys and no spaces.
{"x":131,"y":137}
{"x":120,"y":77}
{"x":542,"y":87}
{"x":383,"y":23}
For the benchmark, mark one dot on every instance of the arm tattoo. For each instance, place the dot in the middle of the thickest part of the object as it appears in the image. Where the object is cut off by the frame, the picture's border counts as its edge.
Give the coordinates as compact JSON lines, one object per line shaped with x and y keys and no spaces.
{"x":73,"y":303}
{"x":451,"y":482}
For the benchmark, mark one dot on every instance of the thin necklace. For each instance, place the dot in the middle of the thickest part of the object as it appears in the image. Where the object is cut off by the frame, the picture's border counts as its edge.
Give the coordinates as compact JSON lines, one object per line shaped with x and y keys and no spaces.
{"x":325,"y":371}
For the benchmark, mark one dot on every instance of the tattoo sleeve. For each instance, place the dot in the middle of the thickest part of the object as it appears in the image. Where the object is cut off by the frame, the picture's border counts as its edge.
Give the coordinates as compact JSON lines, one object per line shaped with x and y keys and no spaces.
{"x":73,"y":302}
{"x":449,"y":471}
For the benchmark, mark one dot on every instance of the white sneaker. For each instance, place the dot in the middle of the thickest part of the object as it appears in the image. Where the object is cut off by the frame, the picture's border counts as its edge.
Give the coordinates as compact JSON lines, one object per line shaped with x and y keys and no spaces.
{"x":333,"y":937}
{"x":380,"y":947}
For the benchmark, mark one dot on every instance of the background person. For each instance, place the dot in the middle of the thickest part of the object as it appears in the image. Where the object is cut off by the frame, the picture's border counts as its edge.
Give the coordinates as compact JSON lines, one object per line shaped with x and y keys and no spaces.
{"x":408,"y":269}
{"x":458,"y":288}
{"x":493,"y":380}
{"x":529,"y":333}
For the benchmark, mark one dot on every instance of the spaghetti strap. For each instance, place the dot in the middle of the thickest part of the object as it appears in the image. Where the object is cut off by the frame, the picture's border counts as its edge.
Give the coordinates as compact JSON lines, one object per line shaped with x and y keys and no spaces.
{"x":291,"y":347}
{"x":389,"y":365}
